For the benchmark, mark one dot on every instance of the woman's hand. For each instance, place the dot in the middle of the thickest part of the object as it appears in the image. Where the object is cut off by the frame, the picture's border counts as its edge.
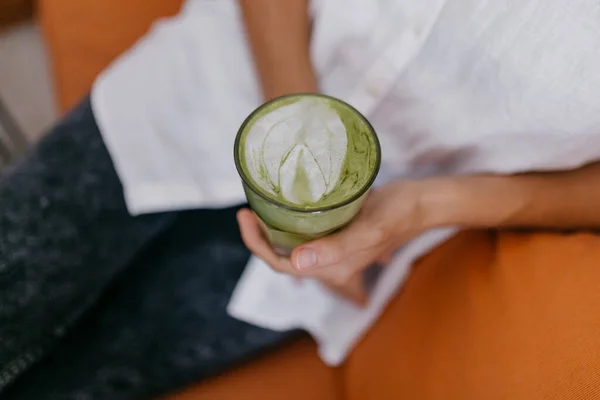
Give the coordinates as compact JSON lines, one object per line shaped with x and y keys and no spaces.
{"x":399,"y":211}
{"x":389,"y":218}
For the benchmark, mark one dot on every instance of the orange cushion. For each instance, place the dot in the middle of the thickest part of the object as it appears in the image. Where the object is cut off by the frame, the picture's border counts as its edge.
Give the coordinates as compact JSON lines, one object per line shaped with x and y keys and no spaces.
{"x":490,"y":316}
{"x":292,"y":373}
{"x":84,"y":36}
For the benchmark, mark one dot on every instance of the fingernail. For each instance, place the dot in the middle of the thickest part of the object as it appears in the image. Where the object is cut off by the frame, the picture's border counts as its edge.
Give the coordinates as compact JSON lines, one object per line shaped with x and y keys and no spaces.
{"x":306,"y":259}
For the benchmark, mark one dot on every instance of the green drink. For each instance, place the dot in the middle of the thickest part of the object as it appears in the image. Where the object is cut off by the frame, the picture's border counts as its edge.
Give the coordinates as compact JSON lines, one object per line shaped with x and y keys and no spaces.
{"x":307,"y":162}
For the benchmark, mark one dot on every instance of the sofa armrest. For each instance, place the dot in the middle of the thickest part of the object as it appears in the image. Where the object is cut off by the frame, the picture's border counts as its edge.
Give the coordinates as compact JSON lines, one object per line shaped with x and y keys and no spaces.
{"x":84,"y":36}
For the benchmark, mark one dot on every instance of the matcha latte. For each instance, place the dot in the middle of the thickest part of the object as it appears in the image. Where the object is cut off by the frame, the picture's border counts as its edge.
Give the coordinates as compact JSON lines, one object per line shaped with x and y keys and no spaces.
{"x":307,"y":162}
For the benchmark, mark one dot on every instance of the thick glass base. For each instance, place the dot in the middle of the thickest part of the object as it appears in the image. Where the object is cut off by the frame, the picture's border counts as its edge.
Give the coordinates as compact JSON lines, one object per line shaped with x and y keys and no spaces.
{"x":283,"y":242}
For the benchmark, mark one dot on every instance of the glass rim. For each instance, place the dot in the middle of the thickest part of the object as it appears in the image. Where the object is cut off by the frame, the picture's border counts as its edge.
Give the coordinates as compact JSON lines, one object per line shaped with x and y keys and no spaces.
{"x":251,"y":185}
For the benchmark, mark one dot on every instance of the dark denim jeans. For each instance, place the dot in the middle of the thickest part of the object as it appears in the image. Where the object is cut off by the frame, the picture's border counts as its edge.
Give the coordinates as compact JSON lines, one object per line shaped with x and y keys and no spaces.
{"x":96,"y":304}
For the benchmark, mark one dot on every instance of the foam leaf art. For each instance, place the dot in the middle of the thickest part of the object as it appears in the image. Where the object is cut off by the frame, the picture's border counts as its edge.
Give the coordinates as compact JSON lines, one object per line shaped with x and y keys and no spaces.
{"x":297,"y":151}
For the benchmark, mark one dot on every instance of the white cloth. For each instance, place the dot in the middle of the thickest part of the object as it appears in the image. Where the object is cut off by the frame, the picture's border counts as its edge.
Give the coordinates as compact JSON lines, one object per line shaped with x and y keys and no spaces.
{"x":451,"y":87}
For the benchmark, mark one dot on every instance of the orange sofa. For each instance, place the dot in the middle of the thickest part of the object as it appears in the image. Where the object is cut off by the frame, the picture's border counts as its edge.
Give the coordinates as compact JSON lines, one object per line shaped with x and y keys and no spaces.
{"x":488,"y":315}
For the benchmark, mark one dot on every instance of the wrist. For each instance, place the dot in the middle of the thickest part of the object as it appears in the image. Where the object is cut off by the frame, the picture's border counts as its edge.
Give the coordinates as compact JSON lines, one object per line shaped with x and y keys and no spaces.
{"x":437,"y":202}
{"x":473,"y":202}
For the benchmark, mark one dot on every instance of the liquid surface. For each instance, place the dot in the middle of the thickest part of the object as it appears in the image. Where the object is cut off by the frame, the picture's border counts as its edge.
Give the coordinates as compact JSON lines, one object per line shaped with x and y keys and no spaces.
{"x":308,"y":151}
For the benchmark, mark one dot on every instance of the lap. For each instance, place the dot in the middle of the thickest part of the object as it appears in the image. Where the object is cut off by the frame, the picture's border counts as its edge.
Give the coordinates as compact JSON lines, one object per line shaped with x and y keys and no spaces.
{"x":485,"y":316}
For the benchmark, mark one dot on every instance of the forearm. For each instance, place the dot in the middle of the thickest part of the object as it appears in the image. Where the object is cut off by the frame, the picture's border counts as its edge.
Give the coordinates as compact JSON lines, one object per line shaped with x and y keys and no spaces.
{"x":562,"y":200}
{"x":279,"y":35}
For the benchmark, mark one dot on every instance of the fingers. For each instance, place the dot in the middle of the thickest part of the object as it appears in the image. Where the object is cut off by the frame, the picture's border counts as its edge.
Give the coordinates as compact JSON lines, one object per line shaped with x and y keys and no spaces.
{"x":340,"y":279}
{"x":353,"y":290}
{"x":253,"y":236}
{"x":254,"y":239}
{"x":385,"y":259}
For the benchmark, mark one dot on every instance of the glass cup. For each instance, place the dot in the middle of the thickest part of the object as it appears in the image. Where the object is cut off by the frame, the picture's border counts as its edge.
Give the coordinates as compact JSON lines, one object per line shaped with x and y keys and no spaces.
{"x":287,"y":226}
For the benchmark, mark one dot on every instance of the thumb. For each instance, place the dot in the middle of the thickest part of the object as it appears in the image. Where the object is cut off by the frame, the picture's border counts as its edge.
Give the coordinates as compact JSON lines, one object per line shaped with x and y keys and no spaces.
{"x":353,"y":290}
{"x":333,"y":249}
{"x":319,"y":253}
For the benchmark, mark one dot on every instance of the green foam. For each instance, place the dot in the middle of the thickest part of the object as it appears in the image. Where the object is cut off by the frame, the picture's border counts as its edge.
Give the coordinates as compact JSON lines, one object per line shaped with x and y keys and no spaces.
{"x":360,"y":163}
